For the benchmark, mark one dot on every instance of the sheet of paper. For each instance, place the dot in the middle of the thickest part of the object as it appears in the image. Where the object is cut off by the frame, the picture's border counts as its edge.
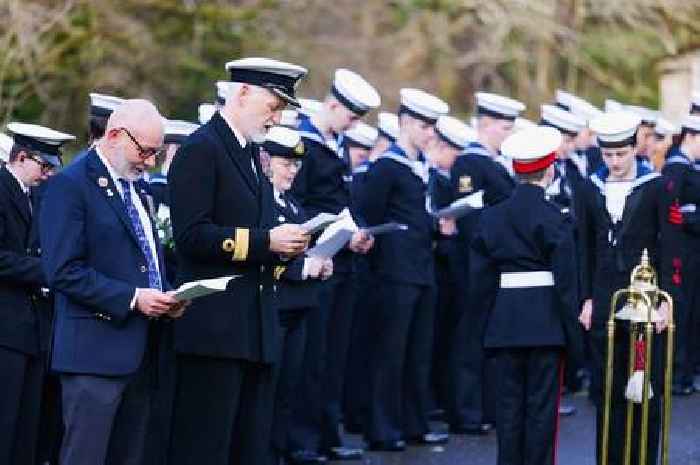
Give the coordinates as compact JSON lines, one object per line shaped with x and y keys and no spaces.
{"x":385,"y":228}
{"x":319,"y":222}
{"x":461,"y":207}
{"x":330,"y":245}
{"x":201,"y":288}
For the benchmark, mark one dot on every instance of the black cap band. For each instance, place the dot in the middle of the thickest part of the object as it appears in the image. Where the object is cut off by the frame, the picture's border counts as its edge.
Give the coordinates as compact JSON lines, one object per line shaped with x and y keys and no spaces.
{"x":284,"y":151}
{"x":281,"y":83}
{"x":100,"y":111}
{"x":562,"y":106}
{"x":358,"y":110}
{"x":386,"y":134}
{"x":481,"y":111}
{"x":403,"y":109}
{"x":630,"y":141}
{"x":568,"y":132}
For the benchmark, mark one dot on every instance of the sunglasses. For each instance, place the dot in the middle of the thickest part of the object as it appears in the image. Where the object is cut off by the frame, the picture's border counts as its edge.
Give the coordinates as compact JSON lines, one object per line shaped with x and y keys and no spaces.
{"x":144,"y":153}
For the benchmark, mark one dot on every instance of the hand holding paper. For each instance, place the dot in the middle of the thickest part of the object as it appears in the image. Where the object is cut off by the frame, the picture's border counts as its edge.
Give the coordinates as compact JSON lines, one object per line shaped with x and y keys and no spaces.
{"x":201,"y":288}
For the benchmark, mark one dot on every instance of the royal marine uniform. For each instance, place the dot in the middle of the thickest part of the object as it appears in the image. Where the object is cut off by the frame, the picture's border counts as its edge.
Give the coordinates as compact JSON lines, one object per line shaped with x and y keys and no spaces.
{"x":476,"y":170}
{"x":617,"y":220}
{"x":26,"y":315}
{"x":323,"y":185}
{"x":402,"y":334}
{"x":230,"y":339}
{"x":522,"y":268}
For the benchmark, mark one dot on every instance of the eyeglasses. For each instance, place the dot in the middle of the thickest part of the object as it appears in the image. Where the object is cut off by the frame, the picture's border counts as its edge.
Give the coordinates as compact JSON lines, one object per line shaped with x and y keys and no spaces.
{"x":144,"y":153}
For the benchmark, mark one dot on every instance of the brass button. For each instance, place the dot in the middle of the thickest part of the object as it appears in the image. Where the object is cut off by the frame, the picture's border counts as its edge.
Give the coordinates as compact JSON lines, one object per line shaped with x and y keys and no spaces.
{"x":274,"y":288}
{"x":261,"y":288}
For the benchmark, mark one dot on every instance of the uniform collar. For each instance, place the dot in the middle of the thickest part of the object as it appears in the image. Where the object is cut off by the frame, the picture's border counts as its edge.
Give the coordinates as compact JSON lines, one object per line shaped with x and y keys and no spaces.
{"x":644,"y":175}
{"x":22,"y":185}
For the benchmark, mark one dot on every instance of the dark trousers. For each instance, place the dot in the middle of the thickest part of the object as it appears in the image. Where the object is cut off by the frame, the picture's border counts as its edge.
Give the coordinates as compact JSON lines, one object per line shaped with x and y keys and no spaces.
{"x":356,"y":392}
{"x":446,"y":318}
{"x":20,"y":406}
{"x":51,"y":424}
{"x":317,"y":411}
{"x":106,"y":418}
{"x":619,"y":404}
{"x":402,"y":344}
{"x":526,"y":417}
{"x":287,"y":377}
{"x":466,"y":365}
{"x":222,"y":413}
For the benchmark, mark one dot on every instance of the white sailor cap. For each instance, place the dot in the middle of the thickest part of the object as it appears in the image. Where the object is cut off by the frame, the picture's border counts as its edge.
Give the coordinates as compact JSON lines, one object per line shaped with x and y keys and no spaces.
{"x":388,"y":125}
{"x":454,"y":132}
{"x":583,"y":109}
{"x":354,"y":92}
{"x":177,"y":131}
{"x":289,"y":118}
{"x":103,"y":105}
{"x":532,"y":149}
{"x":277,"y":76}
{"x":309,"y":107}
{"x":284,"y":142}
{"x":206,"y":111}
{"x":6,"y":143}
{"x":223,"y":89}
{"x":564,"y":99}
{"x":691,"y":123}
{"x":616,"y":129}
{"x":561,"y":119}
{"x":611,"y":106}
{"x":695,"y":102}
{"x":362,"y":135}
{"x":647,"y":115}
{"x":665,"y":128}
{"x":521,"y":123}
{"x":45,"y":142}
{"x":497,"y":106}
{"x":422,"y":105}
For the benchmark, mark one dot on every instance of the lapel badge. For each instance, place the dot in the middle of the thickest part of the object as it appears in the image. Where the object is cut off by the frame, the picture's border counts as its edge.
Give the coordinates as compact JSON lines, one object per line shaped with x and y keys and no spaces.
{"x":110,"y":193}
{"x":465,"y":184}
{"x":102,"y":182}
{"x":281,"y":219}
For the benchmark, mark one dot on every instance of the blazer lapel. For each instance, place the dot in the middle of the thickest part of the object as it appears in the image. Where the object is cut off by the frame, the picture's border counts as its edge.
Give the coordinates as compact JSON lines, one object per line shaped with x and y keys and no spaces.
{"x":19,"y":199}
{"x":240,"y":156}
{"x":98,"y":173}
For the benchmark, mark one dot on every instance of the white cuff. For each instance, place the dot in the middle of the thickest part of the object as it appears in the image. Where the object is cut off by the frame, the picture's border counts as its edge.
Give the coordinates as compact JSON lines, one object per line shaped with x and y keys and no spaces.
{"x":132,"y":305}
{"x":305,"y":269}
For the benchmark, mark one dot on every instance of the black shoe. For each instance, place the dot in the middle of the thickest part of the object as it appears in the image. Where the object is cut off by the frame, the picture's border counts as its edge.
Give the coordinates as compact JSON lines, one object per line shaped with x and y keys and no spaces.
{"x":388,"y":446}
{"x":344,"y":453}
{"x":471,"y":430}
{"x":682,"y":390}
{"x":567,"y":410}
{"x":299,"y":457}
{"x":430,"y":439}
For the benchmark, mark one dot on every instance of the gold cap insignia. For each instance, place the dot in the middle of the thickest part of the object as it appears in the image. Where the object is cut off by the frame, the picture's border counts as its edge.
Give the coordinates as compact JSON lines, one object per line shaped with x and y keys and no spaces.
{"x":465,"y":184}
{"x":299,"y":149}
{"x":102,"y":181}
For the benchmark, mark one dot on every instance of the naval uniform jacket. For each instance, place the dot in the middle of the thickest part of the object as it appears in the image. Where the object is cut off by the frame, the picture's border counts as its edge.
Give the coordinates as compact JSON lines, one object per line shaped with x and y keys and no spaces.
{"x":609,"y":251}
{"x":526,"y":233}
{"x":217,"y":195}
{"x":323,"y":182}
{"x":394,"y":191}
{"x":21,"y":275}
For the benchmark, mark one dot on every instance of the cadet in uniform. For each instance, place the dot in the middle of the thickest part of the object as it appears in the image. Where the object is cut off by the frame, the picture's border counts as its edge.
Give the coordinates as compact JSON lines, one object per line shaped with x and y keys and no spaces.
{"x":297,"y":284}
{"x":401,"y":339}
{"x":101,"y":106}
{"x":522,"y":267}
{"x":25,"y":322}
{"x":476,"y":170}
{"x":587,"y":155}
{"x":323,"y":185}
{"x":620,"y":214}
{"x":228,"y":344}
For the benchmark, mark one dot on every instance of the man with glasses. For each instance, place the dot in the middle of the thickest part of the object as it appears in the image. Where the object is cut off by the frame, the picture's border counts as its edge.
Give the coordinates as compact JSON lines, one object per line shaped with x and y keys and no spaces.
{"x":33,"y":154}
{"x":228,"y":343}
{"x":103,"y":260}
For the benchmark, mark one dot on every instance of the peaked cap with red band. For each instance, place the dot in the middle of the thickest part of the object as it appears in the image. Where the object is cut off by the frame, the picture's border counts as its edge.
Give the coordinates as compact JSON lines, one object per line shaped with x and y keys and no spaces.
{"x":532,"y":149}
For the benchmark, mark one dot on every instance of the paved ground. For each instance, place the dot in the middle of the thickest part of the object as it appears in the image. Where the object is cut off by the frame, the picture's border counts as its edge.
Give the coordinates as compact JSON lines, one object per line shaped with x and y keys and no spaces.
{"x":576,"y":441}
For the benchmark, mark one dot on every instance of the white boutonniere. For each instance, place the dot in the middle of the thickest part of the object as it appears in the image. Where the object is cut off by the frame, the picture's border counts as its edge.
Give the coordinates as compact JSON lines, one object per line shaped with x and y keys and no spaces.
{"x":165,"y":227}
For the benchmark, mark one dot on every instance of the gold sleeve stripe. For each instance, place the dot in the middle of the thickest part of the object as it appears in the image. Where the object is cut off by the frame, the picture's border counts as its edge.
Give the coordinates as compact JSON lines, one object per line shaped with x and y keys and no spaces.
{"x":278,"y":272}
{"x":242,"y":241}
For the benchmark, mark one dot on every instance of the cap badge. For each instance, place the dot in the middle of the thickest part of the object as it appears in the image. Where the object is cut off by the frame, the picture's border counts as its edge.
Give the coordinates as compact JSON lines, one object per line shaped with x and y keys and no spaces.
{"x":299,"y":149}
{"x":465,"y":184}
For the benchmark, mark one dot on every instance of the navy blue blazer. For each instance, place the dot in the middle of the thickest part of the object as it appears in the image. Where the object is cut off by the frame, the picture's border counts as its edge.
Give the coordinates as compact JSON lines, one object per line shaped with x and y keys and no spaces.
{"x":93,"y":262}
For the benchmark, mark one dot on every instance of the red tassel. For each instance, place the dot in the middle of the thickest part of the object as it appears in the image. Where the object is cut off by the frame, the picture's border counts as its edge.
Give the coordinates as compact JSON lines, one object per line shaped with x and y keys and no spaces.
{"x":640,"y":350}
{"x":674,"y":214}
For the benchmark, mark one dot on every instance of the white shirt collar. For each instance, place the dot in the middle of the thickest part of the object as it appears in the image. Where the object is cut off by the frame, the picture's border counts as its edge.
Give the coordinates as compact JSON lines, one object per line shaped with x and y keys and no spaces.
{"x":22,"y":185}
{"x":241,"y":140}
{"x":112,"y":174}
